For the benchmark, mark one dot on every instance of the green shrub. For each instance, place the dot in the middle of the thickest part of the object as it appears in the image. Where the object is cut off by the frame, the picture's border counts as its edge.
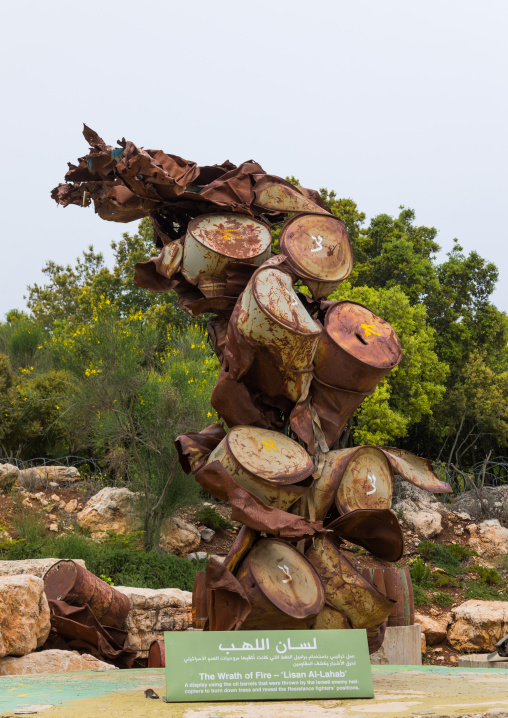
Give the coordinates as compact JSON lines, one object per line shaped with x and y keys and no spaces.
{"x":425,"y":549}
{"x":449,"y":557}
{"x":119,"y":558}
{"x":487,"y":575}
{"x":461,"y":553}
{"x":209,"y":516}
{"x":443,"y":581}
{"x":421,"y":597}
{"x":420,"y":574}
{"x":442,"y":599}
{"x":482,"y":592}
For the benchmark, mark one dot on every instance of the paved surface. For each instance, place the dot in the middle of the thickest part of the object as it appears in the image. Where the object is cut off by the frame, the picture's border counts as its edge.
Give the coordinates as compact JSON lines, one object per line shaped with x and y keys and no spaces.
{"x":400,"y":691}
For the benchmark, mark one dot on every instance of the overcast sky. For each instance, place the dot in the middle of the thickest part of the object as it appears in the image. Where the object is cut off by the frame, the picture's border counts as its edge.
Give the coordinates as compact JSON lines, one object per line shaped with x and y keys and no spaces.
{"x":389,"y":102}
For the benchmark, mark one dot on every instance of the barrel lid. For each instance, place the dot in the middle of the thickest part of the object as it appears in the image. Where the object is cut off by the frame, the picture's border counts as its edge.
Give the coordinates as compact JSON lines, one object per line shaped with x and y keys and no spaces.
{"x":270,"y":455}
{"x":59,"y":579}
{"x":232,"y":235}
{"x":367,"y":482}
{"x":363,"y":334}
{"x":318,"y":246}
{"x":275,"y":295}
{"x":286,"y":578}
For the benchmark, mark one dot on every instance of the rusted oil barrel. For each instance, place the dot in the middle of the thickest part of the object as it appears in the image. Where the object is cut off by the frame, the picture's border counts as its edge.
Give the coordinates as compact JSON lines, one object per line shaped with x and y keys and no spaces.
{"x":282,"y":333}
{"x":214,"y":240}
{"x":357,"y":348}
{"x":318,"y":250}
{"x":356,"y":478}
{"x":275,"y":195}
{"x":267,"y":463}
{"x":330,"y":617}
{"x":156,"y":655}
{"x":367,"y":482}
{"x":396,"y":584}
{"x":70,"y":582}
{"x":283,"y":588}
{"x":199,"y":601}
{"x":323,"y":490}
{"x":346,"y":589}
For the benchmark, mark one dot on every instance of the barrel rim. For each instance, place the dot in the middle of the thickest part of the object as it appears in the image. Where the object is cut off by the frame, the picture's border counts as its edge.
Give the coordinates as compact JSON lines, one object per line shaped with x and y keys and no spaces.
{"x":320,"y":600}
{"x":314,"y":333}
{"x":292,"y":261}
{"x":52,"y":570}
{"x":340,"y":302}
{"x":196,"y":220}
{"x":284,"y":480}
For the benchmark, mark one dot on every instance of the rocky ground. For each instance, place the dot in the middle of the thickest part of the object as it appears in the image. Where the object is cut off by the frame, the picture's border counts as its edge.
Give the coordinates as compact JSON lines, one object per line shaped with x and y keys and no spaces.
{"x":451,"y":627}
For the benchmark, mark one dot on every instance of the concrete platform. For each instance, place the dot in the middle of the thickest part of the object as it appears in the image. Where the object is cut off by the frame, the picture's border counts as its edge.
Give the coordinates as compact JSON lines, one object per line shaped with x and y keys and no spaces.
{"x":480,"y":660}
{"x":400,"y":692}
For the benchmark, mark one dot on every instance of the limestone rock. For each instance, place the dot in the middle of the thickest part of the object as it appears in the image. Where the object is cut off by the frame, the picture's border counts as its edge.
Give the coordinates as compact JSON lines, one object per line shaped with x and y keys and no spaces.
{"x":71,"y":506}
{"x":179,"y":537}
{"x":111,"y":510}
{"x":489,"y":538}
{"x":478,"y":625}
{"x":494,"y":503}
{"x":9,"y":474}
{"x":33,"y":566}
{"x":197,"y":556}
{"x":52,"y":661}
{"x":404,"y":491}
{"x":433,"y":629}
{"x":45,"y":475}
{"x":206,"y":533}
{"x":24,"y":615}
{"x":424,"y":521}
{"x":154,"y":611}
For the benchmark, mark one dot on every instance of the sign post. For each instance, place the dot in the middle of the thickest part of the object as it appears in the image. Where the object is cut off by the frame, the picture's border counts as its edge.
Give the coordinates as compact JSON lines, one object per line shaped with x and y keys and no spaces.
{"x":267,"y":665}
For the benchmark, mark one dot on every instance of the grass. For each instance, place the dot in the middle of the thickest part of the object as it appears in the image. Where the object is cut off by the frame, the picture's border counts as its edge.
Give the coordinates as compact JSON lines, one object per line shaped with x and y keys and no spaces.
{"x":120,"y":558}
{"x":210,"y":517}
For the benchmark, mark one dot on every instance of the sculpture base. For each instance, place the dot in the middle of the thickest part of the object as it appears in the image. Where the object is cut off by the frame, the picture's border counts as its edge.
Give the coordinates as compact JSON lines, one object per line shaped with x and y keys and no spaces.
{"x":402,"y":646}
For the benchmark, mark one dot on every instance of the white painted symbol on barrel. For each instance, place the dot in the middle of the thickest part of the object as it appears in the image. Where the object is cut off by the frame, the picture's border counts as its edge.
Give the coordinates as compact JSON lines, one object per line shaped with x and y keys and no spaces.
{"x":285,"y":571}
{"x":372,"y":480}
{"x":319,"y":240}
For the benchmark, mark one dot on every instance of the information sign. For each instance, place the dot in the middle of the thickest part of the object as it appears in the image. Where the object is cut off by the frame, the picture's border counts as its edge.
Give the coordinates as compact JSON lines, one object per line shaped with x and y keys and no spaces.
{"x":267,"y":665}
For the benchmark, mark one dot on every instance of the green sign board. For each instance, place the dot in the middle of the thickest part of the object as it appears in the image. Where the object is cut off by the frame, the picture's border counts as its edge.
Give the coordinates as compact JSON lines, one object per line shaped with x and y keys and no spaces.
{"x":267,"y":665}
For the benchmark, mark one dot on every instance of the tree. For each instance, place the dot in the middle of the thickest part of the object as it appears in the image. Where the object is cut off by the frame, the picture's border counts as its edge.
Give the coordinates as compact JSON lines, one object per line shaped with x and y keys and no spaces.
{"x":72,"y":292}
{"x":131,"y":399}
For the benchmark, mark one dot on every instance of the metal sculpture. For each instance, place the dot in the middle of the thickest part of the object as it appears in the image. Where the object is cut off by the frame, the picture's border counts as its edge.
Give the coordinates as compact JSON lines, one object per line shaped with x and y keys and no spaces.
{"x":294,"y":368}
